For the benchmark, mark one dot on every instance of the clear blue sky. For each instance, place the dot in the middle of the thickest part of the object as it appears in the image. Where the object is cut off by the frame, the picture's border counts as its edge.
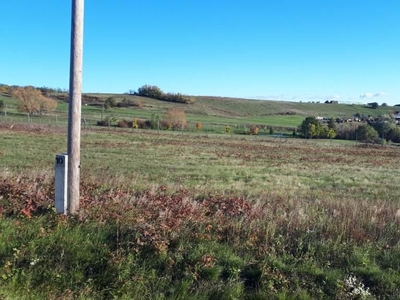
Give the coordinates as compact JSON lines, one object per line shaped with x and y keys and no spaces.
{"x":296,"y":50}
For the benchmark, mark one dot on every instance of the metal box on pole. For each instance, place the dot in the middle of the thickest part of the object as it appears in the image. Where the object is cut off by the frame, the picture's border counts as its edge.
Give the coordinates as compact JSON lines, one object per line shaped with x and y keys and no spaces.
{"x":61,"y":183}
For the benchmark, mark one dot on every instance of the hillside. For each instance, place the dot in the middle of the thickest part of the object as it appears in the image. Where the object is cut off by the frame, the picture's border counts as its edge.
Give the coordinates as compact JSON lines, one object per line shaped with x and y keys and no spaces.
{"x":214,"y":110}
{"x":238,"y":107}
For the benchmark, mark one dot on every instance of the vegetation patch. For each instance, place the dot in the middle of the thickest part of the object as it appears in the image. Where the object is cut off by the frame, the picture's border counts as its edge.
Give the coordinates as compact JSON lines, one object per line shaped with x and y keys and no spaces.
{"x":168,"y":215}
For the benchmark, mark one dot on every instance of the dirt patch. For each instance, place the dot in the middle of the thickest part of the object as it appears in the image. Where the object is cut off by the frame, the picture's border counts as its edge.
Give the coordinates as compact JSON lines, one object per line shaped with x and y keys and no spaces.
{"x":32,"y":128}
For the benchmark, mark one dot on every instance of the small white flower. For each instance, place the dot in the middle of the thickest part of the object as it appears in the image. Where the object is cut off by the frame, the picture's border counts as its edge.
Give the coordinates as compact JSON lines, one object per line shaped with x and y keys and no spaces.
{"x":354,"y":287}
{"x":34,"y":262}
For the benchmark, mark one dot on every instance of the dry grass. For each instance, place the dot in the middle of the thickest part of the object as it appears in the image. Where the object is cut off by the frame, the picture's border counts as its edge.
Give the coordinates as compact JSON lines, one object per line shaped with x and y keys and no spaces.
{"x":246,"y":217}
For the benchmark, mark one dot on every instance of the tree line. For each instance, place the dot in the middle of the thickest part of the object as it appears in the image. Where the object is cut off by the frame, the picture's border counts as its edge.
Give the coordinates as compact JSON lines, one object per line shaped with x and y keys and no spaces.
{"x":153,"y":91}
{"x":380,"y":130}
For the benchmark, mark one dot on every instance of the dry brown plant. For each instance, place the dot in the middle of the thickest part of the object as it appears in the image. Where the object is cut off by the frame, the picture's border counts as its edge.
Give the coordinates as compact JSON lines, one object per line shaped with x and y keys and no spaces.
{"x":175,"y":118}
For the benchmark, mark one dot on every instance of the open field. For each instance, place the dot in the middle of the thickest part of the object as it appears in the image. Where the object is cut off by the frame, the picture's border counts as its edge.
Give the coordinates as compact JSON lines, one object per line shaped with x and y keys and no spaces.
{"x":222,"y":162}
{"x":213,"y":112}
{"x":194,"y":215}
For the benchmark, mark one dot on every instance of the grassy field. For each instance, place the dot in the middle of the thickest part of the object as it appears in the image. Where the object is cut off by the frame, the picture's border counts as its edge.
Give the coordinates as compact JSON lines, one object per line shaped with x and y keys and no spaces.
{"x":196,"y":215}
{"x":214,"y":112}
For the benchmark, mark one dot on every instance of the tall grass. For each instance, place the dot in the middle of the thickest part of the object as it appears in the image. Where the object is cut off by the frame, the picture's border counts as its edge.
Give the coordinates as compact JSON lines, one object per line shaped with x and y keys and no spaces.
{"x":193,"y":216}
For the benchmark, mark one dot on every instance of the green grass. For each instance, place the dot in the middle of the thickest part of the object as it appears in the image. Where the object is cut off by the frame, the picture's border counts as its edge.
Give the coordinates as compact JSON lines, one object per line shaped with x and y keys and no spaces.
{"x":220,"y":161}
{"x":214,"y":111}
{"x":199,"y":215}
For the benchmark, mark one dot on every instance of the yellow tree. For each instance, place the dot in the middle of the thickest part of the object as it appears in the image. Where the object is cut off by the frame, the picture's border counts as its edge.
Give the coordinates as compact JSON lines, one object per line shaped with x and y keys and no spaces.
{"x":3,"y":88}
{"x":31,"y":100}
{"x":46,"y":105}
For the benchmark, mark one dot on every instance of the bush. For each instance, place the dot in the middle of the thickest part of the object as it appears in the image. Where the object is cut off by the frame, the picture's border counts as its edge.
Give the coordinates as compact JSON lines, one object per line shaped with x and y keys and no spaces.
{"x":145,"y":124}
{"x":253,"y":130}
{"x":346,"y":131}
{"x":393,"y":135}
{"x":151,"y":91}
{"x":155,"y":92}
{"x":137,"y":103}
{"x":154,"y":121}
{"x":174,"y":119}
{"x":130,"y":103}
{"x":135,"y":123}
{"x":373,"y":105}
{"x":271,"y":130}
{"x":367,"y":133}
{"x":125,"y":124}
{"x":110,"y":103}
{"x":179,"y":98}
{"x":106,"y":121}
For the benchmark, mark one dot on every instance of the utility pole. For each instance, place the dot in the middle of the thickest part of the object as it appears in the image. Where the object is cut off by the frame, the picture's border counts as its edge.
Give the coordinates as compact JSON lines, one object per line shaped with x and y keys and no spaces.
{"x":74,"y":113}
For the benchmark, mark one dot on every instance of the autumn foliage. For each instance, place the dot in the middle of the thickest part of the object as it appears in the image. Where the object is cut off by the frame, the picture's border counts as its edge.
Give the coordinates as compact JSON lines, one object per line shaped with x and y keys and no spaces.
{"x":253,"y":130}
{"x":174,"y":118}
{"x":32,"y":101}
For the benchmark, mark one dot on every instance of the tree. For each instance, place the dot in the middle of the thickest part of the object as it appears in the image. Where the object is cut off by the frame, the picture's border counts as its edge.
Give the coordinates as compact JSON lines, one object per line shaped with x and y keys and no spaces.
{"x":393,"y":135}
{"x":384,"y":125}
{"x":151,"y":91}
{"x":332,"y":124}
{"x":31,"y":101}
{"x":4,"y":88}
{"x":367,"y":133}
{"x":45,"y":105}
{"x":174,"y":118}
{"x":310,"y":127}
{"x":27,"y":99}
{"x":1,"y":105}
{"x":331,"y":133}
{"x":374,"y":105}
{"x":110,"y":103}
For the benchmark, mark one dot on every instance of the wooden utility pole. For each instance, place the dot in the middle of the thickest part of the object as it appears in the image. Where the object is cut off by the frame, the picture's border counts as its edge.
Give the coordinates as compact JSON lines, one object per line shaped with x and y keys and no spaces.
{"x":74,"y":113}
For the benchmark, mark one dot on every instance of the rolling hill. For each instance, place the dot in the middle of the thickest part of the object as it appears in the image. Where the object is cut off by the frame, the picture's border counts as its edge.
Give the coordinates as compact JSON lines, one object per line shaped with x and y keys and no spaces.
{"x":212,"y":109}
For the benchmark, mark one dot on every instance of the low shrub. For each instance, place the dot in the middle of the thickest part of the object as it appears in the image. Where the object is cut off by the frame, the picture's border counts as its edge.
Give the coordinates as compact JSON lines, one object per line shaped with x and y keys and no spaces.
{"x":253,"y":130}
{"x":174,"y":118}
{"x":125,"y":124}
{"x":106,"y":121}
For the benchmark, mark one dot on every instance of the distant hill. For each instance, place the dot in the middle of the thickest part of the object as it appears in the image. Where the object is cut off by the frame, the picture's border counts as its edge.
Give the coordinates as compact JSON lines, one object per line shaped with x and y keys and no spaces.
{"x":238,"y":107}
{"x":219,"y":110}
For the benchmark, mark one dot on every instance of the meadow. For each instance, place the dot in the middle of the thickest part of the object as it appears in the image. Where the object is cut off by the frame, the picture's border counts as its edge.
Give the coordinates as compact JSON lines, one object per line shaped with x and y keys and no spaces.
{"x":199,"y":215}
{"x":213,"y":112}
